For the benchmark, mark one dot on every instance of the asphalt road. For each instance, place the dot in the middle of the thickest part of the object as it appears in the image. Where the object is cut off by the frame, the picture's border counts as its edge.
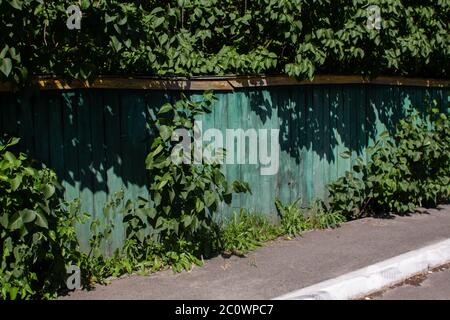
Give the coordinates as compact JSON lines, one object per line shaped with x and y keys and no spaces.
{"x":434,"y":285}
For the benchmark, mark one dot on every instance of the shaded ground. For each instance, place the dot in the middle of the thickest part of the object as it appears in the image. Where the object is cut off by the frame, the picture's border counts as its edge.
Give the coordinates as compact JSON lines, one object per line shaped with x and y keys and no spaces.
{"x":283,"y":266}
{"x":432,"y":285}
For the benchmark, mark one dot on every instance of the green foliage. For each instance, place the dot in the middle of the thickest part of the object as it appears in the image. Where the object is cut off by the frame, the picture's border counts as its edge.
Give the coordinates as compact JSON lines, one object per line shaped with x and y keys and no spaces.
{"x":38,"y":240}
{"x":245,"y":232}
{"x":405,"y":171}
{"x":143,"y":252}
{"x":140,"y":252}
{"x":321,"y":217}
{"x":189,"y":37}
{"x":37,"y":237}
{"x":295,"y":220}
{"x":185,"y":195}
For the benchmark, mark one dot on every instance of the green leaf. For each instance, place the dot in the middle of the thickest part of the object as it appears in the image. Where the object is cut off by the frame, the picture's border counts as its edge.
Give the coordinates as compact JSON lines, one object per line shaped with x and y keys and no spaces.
{"x":156,"y":11}
{"x":4,"y":51}
{"x":6,"y":66}
{"x":10,"y":157}
{"x":346,"y":154}
{"x":16,"y":222}
{"x":27,"y":215}
{"x":187,"y":220}
{"x":4,"y":221}
{"x":41,"y":220}
{"x":16,"y":4}
{"x":163,"y":39}
{"x":11,"y":142}
{"x":210,"y":198}
{"x":157,"y":22}
{"x":151,"y":212}
{"x":199,"y":205}
{"x":109,"y":18}
{"x":165,"y":108}
{"x":241,"y":187}
{"x":13,"y":291}
{"x":162,"y":183}
{"x":48,"y":191}
{"x":165,"y":132}
{"x":15,"y":183}
{"x":384,"y":135}
{"x":117,"y":45}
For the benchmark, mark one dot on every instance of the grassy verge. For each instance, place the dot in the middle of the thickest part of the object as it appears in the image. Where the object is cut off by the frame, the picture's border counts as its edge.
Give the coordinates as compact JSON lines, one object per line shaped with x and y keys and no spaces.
{"x":248,"y":230}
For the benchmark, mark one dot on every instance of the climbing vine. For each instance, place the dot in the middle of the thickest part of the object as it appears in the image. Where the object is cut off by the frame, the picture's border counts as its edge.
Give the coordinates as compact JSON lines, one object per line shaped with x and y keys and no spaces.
{"x":196,"y":37}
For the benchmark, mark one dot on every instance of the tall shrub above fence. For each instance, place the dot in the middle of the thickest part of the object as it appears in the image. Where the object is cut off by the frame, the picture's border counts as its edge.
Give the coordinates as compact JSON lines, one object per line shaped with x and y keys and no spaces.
{"x":188,"y":37}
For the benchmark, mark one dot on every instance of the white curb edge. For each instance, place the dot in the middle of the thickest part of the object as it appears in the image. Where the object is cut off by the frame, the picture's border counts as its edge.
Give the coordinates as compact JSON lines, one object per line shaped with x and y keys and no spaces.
{"x":376,"y":277}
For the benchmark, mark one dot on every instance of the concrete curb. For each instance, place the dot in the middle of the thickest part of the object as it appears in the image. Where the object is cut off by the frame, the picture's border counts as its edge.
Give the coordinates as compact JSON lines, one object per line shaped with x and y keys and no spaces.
{"x":376,"y":277}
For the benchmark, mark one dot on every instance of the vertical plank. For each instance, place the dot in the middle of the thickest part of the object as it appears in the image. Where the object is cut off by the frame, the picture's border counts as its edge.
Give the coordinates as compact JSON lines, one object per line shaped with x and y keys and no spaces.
{"x":247,"y":172}
{"x":362,"y":130}
{"x":41,"y":125}
{"x":11,"y":119}
{"x":113,"y":159}
{"x":326,"y":161}
{"x":302,"y":137}
{"x":234,"y":113}
{"x":318,"y":142}
{"x":25,"y":123}
{"x":99,"y":163}
{"x":71,"y":175}
{"x":347,"y":106}
{"x":310,"y":136}
{"x":10,"y":115}
{"x":85,"y":162}
{"x":56,"y":145}
{"x":220,"y":114}
{"x":395,"y":97}
{"x":354,"y":116}
{"x":133,"y":145}
{"x":283,"y":105}
{"x":341,"y":134}
{"x":296,"y":125}
{"x":335,"y":140}
{"x":272,"y":121}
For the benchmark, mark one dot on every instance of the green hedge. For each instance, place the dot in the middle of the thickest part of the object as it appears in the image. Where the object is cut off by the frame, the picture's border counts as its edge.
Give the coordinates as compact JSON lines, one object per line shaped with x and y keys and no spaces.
{"x":407,"y":170}
{"x":188,"y":37}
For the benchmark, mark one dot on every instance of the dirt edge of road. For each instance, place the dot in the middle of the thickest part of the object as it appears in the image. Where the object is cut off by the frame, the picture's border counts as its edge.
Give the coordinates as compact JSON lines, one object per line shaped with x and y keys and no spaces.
{"x":415,"y":281}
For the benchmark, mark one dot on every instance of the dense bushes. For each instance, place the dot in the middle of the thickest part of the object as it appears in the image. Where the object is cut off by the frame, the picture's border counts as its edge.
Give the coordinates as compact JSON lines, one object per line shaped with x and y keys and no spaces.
{"x":403,"y":172}
{"x":187,"y":187}
{"x":189,"y":37}
{"x":37,"y":238}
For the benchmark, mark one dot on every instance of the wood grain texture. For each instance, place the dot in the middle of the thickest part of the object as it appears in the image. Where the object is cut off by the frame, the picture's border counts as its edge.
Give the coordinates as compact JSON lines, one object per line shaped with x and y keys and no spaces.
{"x":228,"y":83}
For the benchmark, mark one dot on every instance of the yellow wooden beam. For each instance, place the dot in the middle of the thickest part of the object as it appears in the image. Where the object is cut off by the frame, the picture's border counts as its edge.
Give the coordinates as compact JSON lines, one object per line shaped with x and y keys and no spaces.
{"x":221,"y":83}
{"x":266,"y":81}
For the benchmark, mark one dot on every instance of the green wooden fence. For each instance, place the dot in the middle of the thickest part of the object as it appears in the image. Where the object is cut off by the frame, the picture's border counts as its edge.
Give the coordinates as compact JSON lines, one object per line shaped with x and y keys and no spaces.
{"x":97,"y":139}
